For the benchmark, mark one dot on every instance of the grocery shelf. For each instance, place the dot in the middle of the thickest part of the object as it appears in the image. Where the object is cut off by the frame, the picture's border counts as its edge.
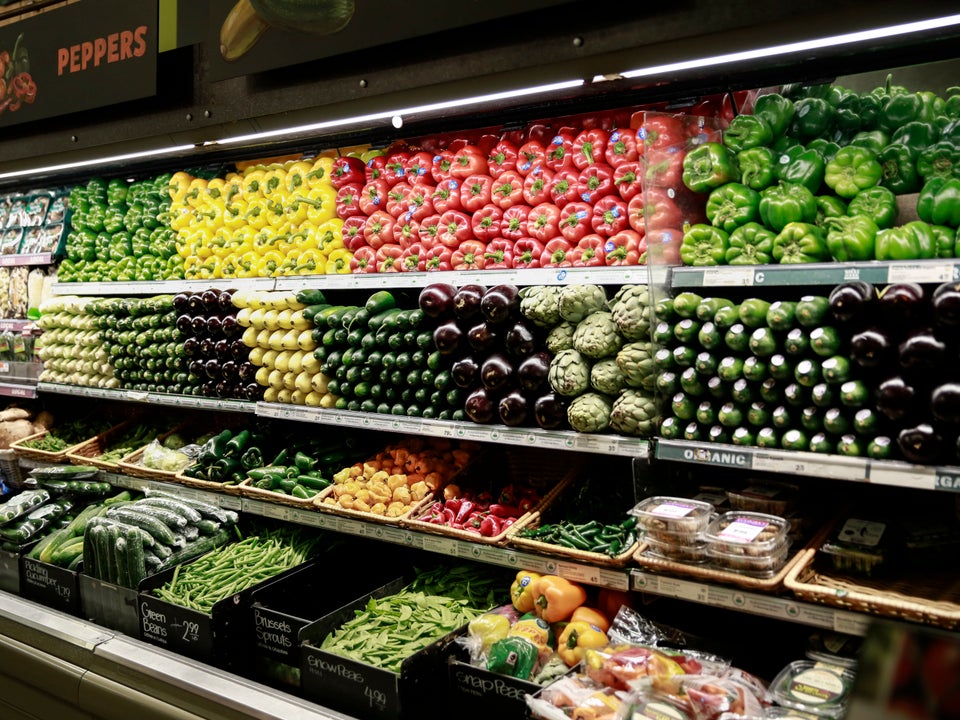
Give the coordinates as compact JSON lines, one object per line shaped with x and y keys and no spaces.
{"x":159,"y":287}
{"x":880,"y":272}
{"x":606,"y":444}
{"x":152,"y":398}
{"x":26,"y":259}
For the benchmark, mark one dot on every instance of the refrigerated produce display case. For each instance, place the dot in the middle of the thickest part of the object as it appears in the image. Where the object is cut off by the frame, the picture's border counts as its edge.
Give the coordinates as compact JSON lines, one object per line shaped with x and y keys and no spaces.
{"x":392,"y":313}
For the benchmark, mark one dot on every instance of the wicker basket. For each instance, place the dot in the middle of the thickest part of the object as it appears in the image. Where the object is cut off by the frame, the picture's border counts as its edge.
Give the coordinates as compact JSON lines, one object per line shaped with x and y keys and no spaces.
{"x":542,"y":548}
{"x":87,"y":452}
{"x":130,"y":464}
{"x":219,"y":487}
{"x":40,"y":455}
{"x":248,"y":489}
{"x":413,"y":510}
{"x":10,"y":466}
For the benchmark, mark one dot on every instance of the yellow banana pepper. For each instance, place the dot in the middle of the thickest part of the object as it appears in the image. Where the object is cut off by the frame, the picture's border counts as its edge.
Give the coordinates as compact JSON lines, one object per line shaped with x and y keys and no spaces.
{"x":577,"y":637}
{"x":521,"y":591}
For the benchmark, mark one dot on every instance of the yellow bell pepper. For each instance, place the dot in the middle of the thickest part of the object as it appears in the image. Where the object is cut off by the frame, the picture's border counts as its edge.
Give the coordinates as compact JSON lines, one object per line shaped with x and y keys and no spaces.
{"x":338,"y":262}
{"x":276,"y":217}
{"x":215,"y":188}
{"x":210,"y":269}
{"x":178,"y":184}
{"x":536,"y":630}
{"x":329,"y":235}
{"x":297,"y":175}
{"x":521,"y":591}
{"x":191,"y":267}
{"x":257,"y":214}
{"x":592,"y":616}
{"x":230,"y":265}
{"x":311,"y":262}
{"x":321,"y":203}
{"x":253,"y":183}
{"x":488,"y":628}
{"x":577,"y":637}
{"x":196,"y":192}
{"x":320,"y":171}
{"x":266,"y":239}
{"x":268,"y":263}
{"x":247,"y":264}
{"x":555,"y":598}
{"x":233,"y":214}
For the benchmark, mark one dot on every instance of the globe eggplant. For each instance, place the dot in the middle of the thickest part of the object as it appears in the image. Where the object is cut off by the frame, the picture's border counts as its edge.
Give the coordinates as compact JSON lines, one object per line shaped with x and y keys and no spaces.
{"x":520,"y":339}
{"x":482,"y":337}
{"x":448,"y":337}
{"x":466,"y":301}
{"x":945,"y":402}
{"x":922,"y":350}
{"x":895,"y":398}
{"x":852,"y":301}
{"x":513,"y":409}
{"x":465,"y":372}
{"x":945,"y":303}
{"x":480,"y":406}
{"x":533,"y":370}
{"x":870,"y":347}
{"x":500,"y":302}
{"x":496,"y":372}
{"x":920,"y":444}
{"x":550,"y":411}
{"x":900,"y":305}
{"x":436,"y":300}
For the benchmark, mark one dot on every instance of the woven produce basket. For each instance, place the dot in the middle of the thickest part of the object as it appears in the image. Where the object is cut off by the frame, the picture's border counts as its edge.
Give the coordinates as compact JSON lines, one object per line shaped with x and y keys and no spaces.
{"x":220,"y":487}
{"x":414,"y":509}
{"x":40,"y":455}
{"x":248,"y":489}
{"x":86,"y":453}
{"x":10,"y":466}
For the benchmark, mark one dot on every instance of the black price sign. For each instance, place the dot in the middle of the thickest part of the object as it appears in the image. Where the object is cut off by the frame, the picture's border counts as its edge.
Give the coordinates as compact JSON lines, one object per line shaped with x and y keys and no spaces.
{"x":49,"y":585}
{"x":178,"y":628}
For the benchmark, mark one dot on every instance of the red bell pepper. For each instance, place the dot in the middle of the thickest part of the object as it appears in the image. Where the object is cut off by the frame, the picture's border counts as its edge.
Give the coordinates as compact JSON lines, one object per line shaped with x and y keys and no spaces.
{"x":609,"y":216}
{"x":364,"y":260}
{"x":406,"y":232}
{"x":668,"y":241}
{"x":417,"y":167}
{"x":378,"y":229}
{"x":468,"y":160}
{"x":555,"y":253}
{"x":446,"y":196}
{"x":420,"y":201}
{"x":485,"y":222}
{"x":441,"y":166}
{"x":628,"y":180}
{"x":595,"y":181}
{"x":559,"y":153}
{"x":622,"y":148}
{"x":661,"y":131}
{"x":352,"y":231}
{"x":388,"y":258}
{"x":414,"y":258}
{"x":507,"y":189}
{"x":475,"y":192}
{"x":373,"y":170}
{"x":536,"y":186}
{"x":664,"y":168}
{"x":589,"y":251}
{"x":565,"y":186}
{"x":625,"y":248}
{"x":428,"y":231}
{"x":502,"y":158}
{"x":373,"y":197}
{"x":590,"y":147}
{"x":499,"y":254}
{"x":654,"y":209}
{"x":437,"y":258}
{"x":398,"y":198}
{"x":454,"y":228}
{"x":575,"y":220}
{"x":527,"y":252}
{"x":513,"y":225}
{"x":543,"y":222}
{"x":469,"y":255}
{"x":530,"y":155}
{"x":394,"y":170}
{"x":347,"y":170}
{"x":348,"y":201}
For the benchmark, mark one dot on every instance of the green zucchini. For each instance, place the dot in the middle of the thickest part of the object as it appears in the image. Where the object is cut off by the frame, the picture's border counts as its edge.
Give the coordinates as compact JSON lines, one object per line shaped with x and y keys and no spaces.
{"x":379,"y":302}
{"x":311,"y":296}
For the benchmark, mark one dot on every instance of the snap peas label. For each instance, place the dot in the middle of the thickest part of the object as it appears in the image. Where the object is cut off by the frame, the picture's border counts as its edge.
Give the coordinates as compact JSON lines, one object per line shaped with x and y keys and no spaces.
{"x":472,"y":681}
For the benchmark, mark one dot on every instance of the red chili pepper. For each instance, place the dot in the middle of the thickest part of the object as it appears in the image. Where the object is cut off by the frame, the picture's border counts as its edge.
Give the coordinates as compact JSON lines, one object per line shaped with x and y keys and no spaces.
{"x":661,"y":131}
{"x":485,"y":222}
{"x":507,"y":189}
{"x":530,"y":155}
{"x":589,"y":251}
{"x":454,"y":228}
{"x":559,"y":153}
{"x":595,"y":181}
{"x":348,"y":201}
{"x":469,"y":256}
{"x":565,"y":186}
{"x":406,"y":231}
{"x":441,"y":166}
{"x":378,"y":229}
{"x":624,"y":248}
{"x":475,"y":192}
{"x":609,"y":216}
{"x":353,"y":237}
{"x":499,"y":255}
{"x":628,"y":180}
{"x":389,"y":258}
{"x":555,"y":253}
{"x":414,"y":258}
{"x":373,"y":197}
{"x":428,"y":230}
{"x":417,"y":168}
{"x":438,"y":258}
{"x":364,"y":260}
{"x":502,"y":510}
{"x":347,"y":170}
{"x":502,"y":158}
{"x":452,"y":504}
{"x":513,"y":225}
{"x":589,"y":147}
{"x":374,"y":168}
{"x":394,"y":170}
{"x":398,"y":198}
{"x":527,"y":252}
{"x":490,"y":526}
{"x":664,"y":168}
{"x":543,"y":222}
{"x":536,"y":186}
{"x":468,"y":160}
{"x":446,"y":196}
{"x":575,"y":220}
{"x":654,"y":209}
{"x":622,"y":147}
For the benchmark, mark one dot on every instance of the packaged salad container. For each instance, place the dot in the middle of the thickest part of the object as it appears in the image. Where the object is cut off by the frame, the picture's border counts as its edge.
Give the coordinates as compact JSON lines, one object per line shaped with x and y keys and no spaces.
{"x":747,"y":533}
{"x":673,"y":519}
{"x":764,"y":496}
{"x":812,"y":687}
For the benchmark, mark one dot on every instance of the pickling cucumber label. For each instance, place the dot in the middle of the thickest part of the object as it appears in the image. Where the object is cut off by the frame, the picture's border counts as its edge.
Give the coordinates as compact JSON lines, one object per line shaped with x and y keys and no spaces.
{"x":817,"y":687}
{"x":50,"y":584}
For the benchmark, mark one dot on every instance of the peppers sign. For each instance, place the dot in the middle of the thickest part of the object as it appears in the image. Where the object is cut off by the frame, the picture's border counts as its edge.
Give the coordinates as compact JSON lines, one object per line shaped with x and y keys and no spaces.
{"x":77,"y":57}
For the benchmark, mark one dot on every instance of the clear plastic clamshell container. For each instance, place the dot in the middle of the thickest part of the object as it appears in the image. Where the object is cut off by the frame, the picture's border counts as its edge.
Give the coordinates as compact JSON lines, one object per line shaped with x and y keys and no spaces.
{"x":813,"y":687}
{"x":747,"y":533}
{"x":673,"y":519}
{"x":768,"y":497}
{"x":694,"y":552}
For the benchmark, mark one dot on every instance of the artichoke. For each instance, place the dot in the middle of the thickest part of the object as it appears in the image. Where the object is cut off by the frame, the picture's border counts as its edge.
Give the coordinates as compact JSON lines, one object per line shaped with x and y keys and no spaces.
{"x":630,"y":308}
{"x":560,"y":338}
{"x":634,"y":412}
{"x":636,"y":362}
{"x":590,"y":412}
{"x":540,"y":305}
{"x":578,"y":301}
{"x":606,"y":377}
{"x":596,"y":336}
{"x":569,"y":373}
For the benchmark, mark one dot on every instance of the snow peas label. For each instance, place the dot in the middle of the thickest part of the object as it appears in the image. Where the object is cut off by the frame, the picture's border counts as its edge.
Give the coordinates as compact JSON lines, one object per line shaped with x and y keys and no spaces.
{"x":358,"y":688}
{"x":49,"y":585}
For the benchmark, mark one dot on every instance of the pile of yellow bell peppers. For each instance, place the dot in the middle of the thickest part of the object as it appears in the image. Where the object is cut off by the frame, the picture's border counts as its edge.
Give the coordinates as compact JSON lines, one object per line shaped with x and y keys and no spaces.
{"x":267,"y":220}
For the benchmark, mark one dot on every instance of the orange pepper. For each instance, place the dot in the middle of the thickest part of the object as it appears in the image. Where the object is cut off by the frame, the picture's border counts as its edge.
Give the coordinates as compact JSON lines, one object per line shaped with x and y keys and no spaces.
{"x":609,"y":601}
{"x":592,"y":616}
{"x":555,"y":598}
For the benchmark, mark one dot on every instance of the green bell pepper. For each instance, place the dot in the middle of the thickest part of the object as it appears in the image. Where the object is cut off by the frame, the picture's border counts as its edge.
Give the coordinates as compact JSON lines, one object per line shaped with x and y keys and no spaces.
{"x":942,"y":159}
{"x":945,"y":239}
{"x":732,"y":205}
{"x":874,"y":140}
{"x":800,"y":242}
{"x":829,"y":206}
{"x":703,"y":245}
{"x":776,"y":109}
{"x":851,"y":238}
{"x":878,"y":203}
{"x":912,"y":241}
{"x":915,"y":135}
{"x":870,"y":106}
{"x":140,"y":242}
{"x":853,"y":169}
{"x":750,"y":244}
{"x":899,"y":169}
{"x":939,"y":202}
{"x":827,"y":148}
{"x":806,"y":167}
{"x":747,"y":131}
{"x":812,"y":117}
{"x":132,"y":218}
{"x":96,"y":190}
{"x":757,"y":167}
{"x":901,"y":109}
{"x":116,"y":192}
{"x":709,"y":166}
{"x":785,"y":203}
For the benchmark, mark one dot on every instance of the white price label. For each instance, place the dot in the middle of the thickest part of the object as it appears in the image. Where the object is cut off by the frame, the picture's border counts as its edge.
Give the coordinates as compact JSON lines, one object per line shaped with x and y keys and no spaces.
{"x":771,"y":607}
{"x":850,"y":623}
{"x":920,"y":272}
{"x":230,"y":502}
{"x":728,"y":277}
{"x":277,"y":512}
{"x":614,"y":580}
{"x":816,"y":616}
{"x":579,"y":573}
{"x":306,"y":517}
{"x":919,"y":477}
{"x":441,"y":546}
{"x":683,"y":589}
{"x":352,"y":527}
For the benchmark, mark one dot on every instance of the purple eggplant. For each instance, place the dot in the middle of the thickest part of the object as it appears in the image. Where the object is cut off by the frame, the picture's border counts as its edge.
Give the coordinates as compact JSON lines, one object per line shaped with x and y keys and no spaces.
{"x":895,"y":398}
{"x":191,"y":346}
{"x":448,"y":337}
{"x":436,"y":300}
{"x":900,"y":305}
{"x":482,"y":337}
{"x":851,"y":301}
{"x":466,"y":301}
{"x":870,"y":347}
{"x":520,"y":339}
{"x":533,"y":370}
{"x":922,"y":350}
{"x":500,"y":303}
{"x":920,"y":443}
{"x":466,"y":372}
{"x":480,"y":406}
{"x":945,"y":402}
{"x":945,"y":302}
{"x":496,"y":372}
{"x":550,"y":411}
{"x":513,"y":409}
{"x":181,"y":301}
